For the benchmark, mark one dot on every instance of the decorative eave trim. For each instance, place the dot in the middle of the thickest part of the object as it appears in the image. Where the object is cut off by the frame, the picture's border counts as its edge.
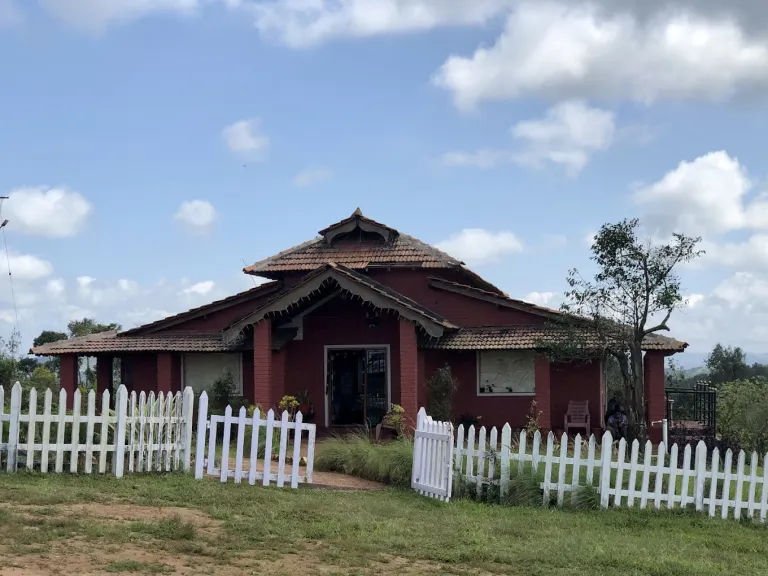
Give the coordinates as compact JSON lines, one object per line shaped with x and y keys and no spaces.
{"x":346,"y":282}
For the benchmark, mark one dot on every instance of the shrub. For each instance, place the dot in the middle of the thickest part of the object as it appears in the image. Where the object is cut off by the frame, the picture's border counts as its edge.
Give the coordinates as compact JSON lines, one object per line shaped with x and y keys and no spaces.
{"x":532,"y":418}
{"x":743,"y":414}
{"x":223,"y":390}
{"x":355,"y":455}
{"x":441,"y":388}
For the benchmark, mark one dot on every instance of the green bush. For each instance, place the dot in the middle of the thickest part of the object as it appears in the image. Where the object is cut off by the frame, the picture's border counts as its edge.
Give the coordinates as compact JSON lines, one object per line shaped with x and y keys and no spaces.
{"x":441,"y":388}
{"x":743,"y":414}
{"x":355,"y":455}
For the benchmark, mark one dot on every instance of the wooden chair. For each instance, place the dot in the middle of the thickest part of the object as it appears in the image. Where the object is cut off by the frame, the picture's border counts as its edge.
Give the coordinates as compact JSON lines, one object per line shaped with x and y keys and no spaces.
{"x":577,"y":416}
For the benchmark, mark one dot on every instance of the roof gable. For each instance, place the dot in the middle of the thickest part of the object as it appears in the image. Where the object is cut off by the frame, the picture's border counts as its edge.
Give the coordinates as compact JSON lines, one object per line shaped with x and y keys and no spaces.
{"x":332,"y":277}
{"x":335,"y":244}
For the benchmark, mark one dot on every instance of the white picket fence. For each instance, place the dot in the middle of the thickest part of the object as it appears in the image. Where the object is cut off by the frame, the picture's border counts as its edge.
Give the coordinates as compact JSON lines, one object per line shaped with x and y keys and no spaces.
{"x":141,"y":434}
{"x":432,"y":473}
{"x":246,"y":464}
{"x":619,"y":478}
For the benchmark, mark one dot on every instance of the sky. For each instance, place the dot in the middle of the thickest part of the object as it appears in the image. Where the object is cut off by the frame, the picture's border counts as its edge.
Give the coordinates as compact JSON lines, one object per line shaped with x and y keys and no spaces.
{"x":151,"y":148}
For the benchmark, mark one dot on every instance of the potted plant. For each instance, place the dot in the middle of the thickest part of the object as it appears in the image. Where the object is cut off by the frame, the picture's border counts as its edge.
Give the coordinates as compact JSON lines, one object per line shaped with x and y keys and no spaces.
{"x":305,"y":404}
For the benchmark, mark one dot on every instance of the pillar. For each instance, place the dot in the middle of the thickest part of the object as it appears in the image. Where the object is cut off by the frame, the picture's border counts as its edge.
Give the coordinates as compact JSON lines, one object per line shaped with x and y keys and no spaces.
{"x":104,"y":374}
{"x":655,"y":396}
{"x":409,"y":371}
{"x":168,"y":373}
{"x":542,"y":391}
{"x":262,"y":365}
{"x":68,"y":372}
{"x":279,"y":359}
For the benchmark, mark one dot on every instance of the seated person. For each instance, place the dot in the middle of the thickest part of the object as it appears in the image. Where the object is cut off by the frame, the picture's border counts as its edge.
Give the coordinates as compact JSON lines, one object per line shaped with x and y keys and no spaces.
{"x":617,"y":421}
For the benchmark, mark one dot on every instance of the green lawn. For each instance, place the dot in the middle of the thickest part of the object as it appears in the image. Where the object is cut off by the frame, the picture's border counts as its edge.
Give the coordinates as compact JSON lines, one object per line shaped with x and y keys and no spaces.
{"x":174,"y":524}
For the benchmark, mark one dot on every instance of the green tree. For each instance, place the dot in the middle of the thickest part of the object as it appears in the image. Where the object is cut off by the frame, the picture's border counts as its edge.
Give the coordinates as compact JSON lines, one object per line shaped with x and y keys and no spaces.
{"x":633,"y":294}
{"x":674,"y":375}
{"x":742,"y":418}
{"x":46,"y":337}
{"x":85,"y":327}
{"x":727,"y":364}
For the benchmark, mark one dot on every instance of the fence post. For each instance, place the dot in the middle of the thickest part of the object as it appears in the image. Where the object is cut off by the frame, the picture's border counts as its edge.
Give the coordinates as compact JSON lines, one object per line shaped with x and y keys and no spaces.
{"x":605,"y":469}
{"x":701,"y":469}
{"x":187,"y":412}
{"x":13,"y":428}
{"x":202,"y":420}
{"x":121,"y":409}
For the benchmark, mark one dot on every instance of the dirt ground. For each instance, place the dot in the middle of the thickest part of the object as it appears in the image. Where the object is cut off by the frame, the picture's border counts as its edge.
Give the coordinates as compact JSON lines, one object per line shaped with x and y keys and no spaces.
{"x":81,"y":557}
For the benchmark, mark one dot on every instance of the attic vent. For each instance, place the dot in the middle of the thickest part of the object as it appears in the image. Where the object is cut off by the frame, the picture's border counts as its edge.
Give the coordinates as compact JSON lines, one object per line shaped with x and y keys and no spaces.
{"x":360,"y":235}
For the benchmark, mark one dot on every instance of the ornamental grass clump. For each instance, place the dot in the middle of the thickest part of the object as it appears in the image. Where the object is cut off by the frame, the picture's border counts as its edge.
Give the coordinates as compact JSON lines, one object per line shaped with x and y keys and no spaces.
{"x":356,"y":455}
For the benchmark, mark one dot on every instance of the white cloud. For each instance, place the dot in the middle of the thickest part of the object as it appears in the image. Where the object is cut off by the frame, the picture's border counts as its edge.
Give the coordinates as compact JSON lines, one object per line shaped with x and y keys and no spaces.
{"x":703,"y":196}
{"x":311,"y":176}
{"x":56,"y":288}
{"x":566,"y":135}
{"x":245,"y":139}
{"x":539,"y":298}
{"x":196,"y":214}
{"x":478,"y":246}
{"x":97,"y":15}
{"x":201,"y":288}
{"x":306,"y":23}
{"x":580,"y":51}
{"x":43,"y":211}
{"x":26,"y":266}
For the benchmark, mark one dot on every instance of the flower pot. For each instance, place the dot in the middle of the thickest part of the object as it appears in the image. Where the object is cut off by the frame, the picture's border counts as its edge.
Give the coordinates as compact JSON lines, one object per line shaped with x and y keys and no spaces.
{"x":305,"y":409}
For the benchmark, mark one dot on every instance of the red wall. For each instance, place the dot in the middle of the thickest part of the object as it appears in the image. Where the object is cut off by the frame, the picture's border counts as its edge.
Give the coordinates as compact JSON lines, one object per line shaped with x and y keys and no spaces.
{"x":576,"y":381}
{"x":567,"y":382}
{"x":143,"y":369}
{"x":338,"y":322}
{"x":459,"y":309}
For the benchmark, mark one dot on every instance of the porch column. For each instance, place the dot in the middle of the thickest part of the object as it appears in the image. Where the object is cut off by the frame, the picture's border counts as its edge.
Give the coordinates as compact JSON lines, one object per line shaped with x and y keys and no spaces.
{"x":409,"y":371}
{"x":542,"y":394}
{"x":262,"y":365}
{"x":68,"y":371}
{"x":168,"y":373}
{"x":655,"y":397}
{"x":104,"y":375}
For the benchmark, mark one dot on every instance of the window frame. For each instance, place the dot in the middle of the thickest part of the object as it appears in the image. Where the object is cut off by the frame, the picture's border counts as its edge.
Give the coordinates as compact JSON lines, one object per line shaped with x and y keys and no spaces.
{"x":480,"y":394}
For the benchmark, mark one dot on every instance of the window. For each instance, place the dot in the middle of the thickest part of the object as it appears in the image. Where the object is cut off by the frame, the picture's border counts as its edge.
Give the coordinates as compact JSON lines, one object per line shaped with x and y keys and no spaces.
{"x":201,"y":370}
{"x":506,"y":373}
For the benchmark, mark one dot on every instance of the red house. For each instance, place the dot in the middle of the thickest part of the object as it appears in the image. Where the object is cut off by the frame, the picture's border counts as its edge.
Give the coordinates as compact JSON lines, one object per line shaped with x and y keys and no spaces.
{"x":360,"y":318}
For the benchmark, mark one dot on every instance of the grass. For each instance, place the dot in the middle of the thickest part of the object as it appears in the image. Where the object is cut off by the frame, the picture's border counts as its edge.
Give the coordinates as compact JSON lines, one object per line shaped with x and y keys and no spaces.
{"x":267,"y":530}
{"x":355,"y":455}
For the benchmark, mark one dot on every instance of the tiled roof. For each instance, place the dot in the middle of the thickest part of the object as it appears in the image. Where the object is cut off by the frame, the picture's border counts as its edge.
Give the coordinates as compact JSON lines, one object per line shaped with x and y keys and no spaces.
{"x":403,"y":250}
{"x":394,"y":249}
{"x":113,"y":341}
{"x":243,"y":296}
{"x":527,"y":337}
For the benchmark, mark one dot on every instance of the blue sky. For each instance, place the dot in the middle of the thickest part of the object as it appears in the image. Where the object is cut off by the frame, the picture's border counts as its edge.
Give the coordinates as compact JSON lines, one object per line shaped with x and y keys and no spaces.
{"x":528,"y":125}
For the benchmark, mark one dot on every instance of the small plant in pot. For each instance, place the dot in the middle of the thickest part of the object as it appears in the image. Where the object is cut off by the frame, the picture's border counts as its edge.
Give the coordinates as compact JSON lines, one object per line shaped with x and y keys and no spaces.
{"x":305,"y":404}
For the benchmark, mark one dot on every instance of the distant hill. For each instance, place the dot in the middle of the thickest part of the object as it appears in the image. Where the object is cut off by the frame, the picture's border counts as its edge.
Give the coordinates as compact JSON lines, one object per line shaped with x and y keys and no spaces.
{"x":697,"y":371}
{"x":698,"y":360}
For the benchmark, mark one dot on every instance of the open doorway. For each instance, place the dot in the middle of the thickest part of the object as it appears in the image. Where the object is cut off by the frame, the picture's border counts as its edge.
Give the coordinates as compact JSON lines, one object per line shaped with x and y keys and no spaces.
{"x":357,"y":385}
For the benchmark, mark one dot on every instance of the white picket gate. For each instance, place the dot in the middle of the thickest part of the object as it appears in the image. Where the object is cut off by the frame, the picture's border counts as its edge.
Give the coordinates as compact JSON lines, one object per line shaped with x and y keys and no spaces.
{"x":251,"y":427}
{"x":144,"y":434}
{"x":432,"y":473}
